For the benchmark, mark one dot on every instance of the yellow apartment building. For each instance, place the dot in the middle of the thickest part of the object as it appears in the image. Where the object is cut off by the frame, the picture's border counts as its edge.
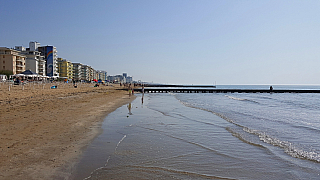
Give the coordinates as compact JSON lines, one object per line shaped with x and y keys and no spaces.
{"x":12,"y":60}
{"x":65,"y":68}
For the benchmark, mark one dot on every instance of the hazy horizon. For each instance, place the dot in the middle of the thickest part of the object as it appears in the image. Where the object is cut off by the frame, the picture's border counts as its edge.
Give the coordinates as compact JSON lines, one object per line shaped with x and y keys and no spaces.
{"x":177,"y":42}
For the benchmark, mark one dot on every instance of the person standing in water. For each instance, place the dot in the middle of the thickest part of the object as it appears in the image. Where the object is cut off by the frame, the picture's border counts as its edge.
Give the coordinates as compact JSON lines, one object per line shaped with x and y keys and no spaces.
{"x":142,"y":90}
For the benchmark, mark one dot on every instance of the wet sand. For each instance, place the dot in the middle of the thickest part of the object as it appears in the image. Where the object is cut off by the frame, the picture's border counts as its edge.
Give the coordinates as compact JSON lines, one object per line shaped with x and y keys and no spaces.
{"x":43,"y":131}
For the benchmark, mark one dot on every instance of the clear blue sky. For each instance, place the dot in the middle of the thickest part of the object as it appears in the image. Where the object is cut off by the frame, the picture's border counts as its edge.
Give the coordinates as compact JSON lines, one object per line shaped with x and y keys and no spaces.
{"x":177,"y":41}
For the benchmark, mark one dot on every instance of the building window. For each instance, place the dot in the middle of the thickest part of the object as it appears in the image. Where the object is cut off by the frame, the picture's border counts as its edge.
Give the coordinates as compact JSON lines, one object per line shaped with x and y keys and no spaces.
{"x":4,"y":56}
{"x":4,"y":67}
{"x":4,"y":62}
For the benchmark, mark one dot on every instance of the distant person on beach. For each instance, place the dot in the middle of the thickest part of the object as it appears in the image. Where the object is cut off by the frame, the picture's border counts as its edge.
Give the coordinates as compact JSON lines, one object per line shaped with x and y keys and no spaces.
{"x":142,"y":90}
{"x":130,"y":90}
{"x":271,"y":88}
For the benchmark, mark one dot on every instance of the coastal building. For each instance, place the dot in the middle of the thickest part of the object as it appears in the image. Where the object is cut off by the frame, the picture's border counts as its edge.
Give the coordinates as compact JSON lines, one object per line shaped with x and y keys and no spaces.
{"x":34,"y":45}
{"x":65,"y":68}
{"x":43,"y":60}
{"x":101,"y":75}
{"x":91,"y":73}
{"x":116,"y":79}
{"x":77,"y":73}
{"x":111,"y":78}
{"x":34,"y":60}
{"x":94,"y":74}
{"x":50,"y":54}
{"x":85,"y":71}
{"x":12,"y":60}
{"x":129,"y":79}
{"x":124,"y":78}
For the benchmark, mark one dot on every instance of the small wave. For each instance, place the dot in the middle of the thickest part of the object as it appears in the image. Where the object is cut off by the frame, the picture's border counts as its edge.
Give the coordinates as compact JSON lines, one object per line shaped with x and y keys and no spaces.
{"x":195,"y":107}
{"x":243,"y":139}
{"x":215,"y":113}
{"x":289,"y":148}
{"x":239,"y":99}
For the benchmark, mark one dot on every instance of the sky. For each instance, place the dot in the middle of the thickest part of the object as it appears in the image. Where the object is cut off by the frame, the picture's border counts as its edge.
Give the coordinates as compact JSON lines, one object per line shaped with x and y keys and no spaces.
{"x":176,"y":41}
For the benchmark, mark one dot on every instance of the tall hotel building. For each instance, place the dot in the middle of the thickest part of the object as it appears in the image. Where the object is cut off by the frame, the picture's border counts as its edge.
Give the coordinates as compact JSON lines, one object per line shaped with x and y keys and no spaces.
{"x":12,"y":60}
{"x":51,"y":57}
{"x":65,"y":68}
{"x":77,"y":71}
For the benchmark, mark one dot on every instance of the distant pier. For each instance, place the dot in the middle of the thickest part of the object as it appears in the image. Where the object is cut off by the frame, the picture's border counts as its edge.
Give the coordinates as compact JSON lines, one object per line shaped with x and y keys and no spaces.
{"x":203,"y":90}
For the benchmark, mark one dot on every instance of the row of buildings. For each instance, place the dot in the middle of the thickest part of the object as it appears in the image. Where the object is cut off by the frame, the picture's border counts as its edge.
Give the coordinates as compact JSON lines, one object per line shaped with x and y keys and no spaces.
{"x":124,"y":78}
{"x":44,"y":61}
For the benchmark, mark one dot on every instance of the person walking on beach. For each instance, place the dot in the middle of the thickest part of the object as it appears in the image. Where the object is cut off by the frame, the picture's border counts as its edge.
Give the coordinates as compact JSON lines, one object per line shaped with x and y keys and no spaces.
{"x":142,"y":90}
{"x":129,"y":89}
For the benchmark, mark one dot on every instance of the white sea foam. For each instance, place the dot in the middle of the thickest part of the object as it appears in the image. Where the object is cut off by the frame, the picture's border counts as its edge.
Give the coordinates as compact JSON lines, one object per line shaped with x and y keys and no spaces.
{"x":288,"y":147}
{"x":239,"y":99}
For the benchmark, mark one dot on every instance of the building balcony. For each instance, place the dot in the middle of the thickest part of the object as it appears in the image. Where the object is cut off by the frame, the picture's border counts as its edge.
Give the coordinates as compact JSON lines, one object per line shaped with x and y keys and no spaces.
{"x":20,"y":69}
{"x":19,"y":60}
{"x":5,"y":52}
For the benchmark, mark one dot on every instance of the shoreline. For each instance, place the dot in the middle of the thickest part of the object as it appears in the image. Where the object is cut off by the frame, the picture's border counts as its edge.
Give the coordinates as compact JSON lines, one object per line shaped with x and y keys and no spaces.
{"x":44,"y":131}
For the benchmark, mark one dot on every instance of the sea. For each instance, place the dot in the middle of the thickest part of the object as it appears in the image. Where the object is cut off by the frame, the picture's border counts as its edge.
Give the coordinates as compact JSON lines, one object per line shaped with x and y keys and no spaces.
{"x":209,"y":136}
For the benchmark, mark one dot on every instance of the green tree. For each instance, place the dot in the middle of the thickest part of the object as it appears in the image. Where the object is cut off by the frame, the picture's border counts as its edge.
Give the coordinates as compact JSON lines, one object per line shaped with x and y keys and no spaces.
{"x":6,"y":72}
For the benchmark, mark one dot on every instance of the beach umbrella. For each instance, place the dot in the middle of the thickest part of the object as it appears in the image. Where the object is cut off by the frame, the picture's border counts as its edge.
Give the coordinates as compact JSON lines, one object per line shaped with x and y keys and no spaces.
{"x":29,"y":72}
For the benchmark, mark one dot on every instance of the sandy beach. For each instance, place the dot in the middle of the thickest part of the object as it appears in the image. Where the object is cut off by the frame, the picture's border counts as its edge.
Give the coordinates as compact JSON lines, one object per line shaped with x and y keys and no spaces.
{"x":43,"y":130}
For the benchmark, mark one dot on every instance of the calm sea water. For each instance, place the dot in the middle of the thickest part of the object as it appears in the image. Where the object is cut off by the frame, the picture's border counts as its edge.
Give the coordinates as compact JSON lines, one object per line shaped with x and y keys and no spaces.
{"x":209,"y":136}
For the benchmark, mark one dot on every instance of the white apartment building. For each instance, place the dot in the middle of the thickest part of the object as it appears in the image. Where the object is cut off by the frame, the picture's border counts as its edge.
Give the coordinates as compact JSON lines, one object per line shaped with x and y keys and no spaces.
{"x":77,"y":72}
{"x":34,"y":61}
{"x":85,"y":72}
{"x":102,"y":75}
